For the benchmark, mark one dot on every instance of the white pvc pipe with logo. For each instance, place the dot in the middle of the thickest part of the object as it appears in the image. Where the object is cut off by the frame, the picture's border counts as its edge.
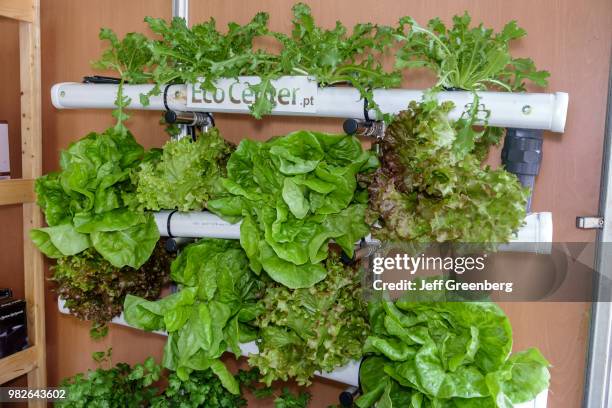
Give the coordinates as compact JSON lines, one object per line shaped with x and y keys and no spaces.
{"x":545,"y":111}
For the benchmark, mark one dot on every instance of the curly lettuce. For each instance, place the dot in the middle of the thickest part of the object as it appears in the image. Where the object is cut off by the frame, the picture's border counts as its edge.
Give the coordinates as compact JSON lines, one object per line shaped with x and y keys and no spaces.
{"x":431,"y":186}
{"x":314,"y":329}
{"x":94,"y":290}
{"x":184,"y":175}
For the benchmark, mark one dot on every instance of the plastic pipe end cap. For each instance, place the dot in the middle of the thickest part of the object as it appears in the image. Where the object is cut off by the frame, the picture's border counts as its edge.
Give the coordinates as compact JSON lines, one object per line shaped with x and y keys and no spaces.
{"x":559,"y":114}
{"x":170,"y":116}
{"x":171,"y":245}
{"x":56,"y":94}
{"x":346,"y":399}
{"x":350,"y":126}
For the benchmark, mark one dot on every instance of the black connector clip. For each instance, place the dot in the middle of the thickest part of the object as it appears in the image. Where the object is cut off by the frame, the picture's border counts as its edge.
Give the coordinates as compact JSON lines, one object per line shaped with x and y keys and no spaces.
{"x":367,"y":128}
{"x":100,"y":79}
{"x":348,"y":396}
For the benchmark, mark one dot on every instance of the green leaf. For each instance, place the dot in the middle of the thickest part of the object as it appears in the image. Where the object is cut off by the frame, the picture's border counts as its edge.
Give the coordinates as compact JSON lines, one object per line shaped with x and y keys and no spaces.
{"x":227,"y":379}
{"x":60,"y":240}
{"x":114,"y":220}
{"x":319,"y":328}
{"x":42,"y":240}
{"x":131,"y":246}
{"x":464,"y":57}
{"x":141,"y":317}
{"x":521,"y":378}
{"x":294,"y":198}
{"x":291,"y":275}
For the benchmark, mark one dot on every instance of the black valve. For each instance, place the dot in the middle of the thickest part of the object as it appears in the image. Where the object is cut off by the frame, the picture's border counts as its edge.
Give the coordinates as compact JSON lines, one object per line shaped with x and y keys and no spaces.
{"x":197,"y":119}
{"x":347,"y":397}
{"x":101,"y":79}
{"x":174,"y":244}
{"x":522,"y":155}
{"x":368,"y":128}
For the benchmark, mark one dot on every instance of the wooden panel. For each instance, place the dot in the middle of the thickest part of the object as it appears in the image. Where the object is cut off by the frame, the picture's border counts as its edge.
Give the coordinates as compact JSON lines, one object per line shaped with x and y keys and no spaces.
{"x":576,"y":54}
{"x":17,"y":364}
{"x":17,"y":9}
{"x":17,"y":191}
{"x":31,"y":165}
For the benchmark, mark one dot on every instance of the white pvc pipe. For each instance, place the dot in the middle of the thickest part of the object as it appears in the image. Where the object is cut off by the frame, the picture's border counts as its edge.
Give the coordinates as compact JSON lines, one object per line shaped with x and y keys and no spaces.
{"x":538,"y":228}
{"x":195,"y":225}
{"x":535,"y":236}
{"x":519,"y":110}
{"x":180,"y":8}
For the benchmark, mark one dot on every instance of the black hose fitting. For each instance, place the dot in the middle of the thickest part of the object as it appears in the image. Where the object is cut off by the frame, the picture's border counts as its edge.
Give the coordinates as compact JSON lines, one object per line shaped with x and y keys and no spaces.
{"x":522,"y":156}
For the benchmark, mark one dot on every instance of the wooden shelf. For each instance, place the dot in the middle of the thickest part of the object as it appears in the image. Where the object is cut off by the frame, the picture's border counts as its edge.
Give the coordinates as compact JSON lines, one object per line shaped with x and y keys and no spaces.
{"x":22,"y":10}
{"x":18,"y":364}
{"x":31,"y":361}
{"x":17,"y":191}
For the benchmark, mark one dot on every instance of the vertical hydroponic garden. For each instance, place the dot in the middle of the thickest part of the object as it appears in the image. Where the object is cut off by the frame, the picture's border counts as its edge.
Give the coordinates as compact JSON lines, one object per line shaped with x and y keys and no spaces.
{"x":303,"y":201}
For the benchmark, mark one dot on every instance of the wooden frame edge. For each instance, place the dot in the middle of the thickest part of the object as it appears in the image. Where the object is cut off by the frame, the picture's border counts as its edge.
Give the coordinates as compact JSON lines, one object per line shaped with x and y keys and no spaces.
{"x":18,"y":364}
{"x":17,"y":191}
{"x":22,"y":10}
{"x":31,"y":163}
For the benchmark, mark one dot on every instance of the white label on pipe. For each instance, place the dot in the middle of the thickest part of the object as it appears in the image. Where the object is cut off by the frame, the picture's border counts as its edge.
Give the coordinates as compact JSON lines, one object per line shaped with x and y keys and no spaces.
{"x":292,"y":94}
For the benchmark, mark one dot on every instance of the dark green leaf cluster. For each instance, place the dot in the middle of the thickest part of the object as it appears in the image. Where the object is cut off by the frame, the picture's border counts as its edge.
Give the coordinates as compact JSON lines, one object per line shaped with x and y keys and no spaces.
{"x":203,"y":54}
{"x":446,"y":355}
{"x":295,"y":193}
{"x":129,"y":57}
{"x":121,"y":386}
{"x":213,"y":311}
{"x":93,"y":289}
{"x":85,"y":204}
{"x":335,"y":57}
{"x":315,"y":329}
{"x":431,"y":186}
{"x":202,"y":389}
{"x":288,"y":400}
{"x":184,"y":175}
{"x":250,"y":380}
{"x":466,"y":58}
